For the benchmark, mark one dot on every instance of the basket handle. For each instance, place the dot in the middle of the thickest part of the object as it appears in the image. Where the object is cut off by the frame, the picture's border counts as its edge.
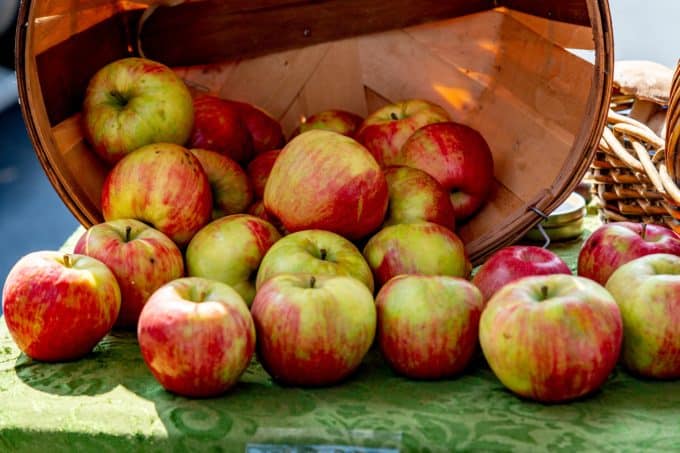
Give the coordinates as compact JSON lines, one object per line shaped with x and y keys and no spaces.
{"x":673,"y":128}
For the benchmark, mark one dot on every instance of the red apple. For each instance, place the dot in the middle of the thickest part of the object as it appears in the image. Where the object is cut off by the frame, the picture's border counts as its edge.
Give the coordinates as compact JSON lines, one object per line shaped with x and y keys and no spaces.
{"x":384,"y":131}
{"x":265,"y":131}
{"x":416,"y":248}
{"x":313,"y":330}
{"x":427,"y":325}
{"x":219,"y":127}
{"x":231,"y":189}
{"x":458,"y":157}
{"x":142,"y":259}
{"x":327,"y":181}
{"x":551,"y":338}
{"x":647,"y":291}
{"x":196,"y":336}
{"x":416,"y":196}
{"x":514,"y":262}
{"x":260,"y":168}
{"x":229,"y":250}
{"x":134,"y":102}
{"x":340,"y":121}
{"x":58,"y":306}
{"x":614,"y":244}
{"x":163,"y":185}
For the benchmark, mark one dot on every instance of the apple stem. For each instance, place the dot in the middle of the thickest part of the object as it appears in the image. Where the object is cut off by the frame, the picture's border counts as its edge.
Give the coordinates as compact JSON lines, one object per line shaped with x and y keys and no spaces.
{"x":128,"y":230}
{"x":68,"y":260}
{"x":643,"y":233}
{"x":394,"y":116}
{"x":312,"y":281}
{"x":544,"y":292}
{"x":323,"y":253}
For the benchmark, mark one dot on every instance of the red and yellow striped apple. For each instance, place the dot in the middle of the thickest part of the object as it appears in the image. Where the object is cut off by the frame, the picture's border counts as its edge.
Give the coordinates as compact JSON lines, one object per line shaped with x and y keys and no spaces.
{"x":259,"y":169}
{"x":416,"y":196}
{"x":647,"y":290}
{"x":232,"y":191}
{"x":313,"y":330}
{"x":163,"y":185}
{"x":315,"y":252}
{"x":134,"y":102}
{"x":58,"y":306}
{"x":458,"y":157}
{"x":340,"y":121}
{"x":325,"y":180}
{"x":229,"y":250}
{"x":416,"y":248}
{"x":265,"y":131}
{"x":428,"y":325}
{"x":142,"y":258}
{"x":386,"y":130}
{"x":551,"y":338}
{"x":196,"y":336}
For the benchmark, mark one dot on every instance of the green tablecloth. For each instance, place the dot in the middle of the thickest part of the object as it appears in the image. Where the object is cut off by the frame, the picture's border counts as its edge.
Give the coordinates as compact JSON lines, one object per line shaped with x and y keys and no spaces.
{"x":109,"y":401}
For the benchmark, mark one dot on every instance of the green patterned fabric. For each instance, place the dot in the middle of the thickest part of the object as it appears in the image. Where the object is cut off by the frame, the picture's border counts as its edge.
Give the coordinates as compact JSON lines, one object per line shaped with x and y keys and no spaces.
{"x":109,"y":401}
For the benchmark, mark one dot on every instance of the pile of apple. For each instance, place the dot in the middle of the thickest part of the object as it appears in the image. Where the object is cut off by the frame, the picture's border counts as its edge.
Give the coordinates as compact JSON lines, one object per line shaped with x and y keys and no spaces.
{"x":223,"y":239}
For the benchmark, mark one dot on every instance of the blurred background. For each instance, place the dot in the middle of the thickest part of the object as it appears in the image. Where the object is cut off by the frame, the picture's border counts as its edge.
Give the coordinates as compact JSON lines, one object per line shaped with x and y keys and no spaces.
{"x":32,"y":217}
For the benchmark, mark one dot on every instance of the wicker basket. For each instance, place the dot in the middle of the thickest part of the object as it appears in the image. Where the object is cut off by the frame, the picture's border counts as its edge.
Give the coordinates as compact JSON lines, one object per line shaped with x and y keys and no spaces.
{"x":500,"y":66}
{"x":633,"y":174}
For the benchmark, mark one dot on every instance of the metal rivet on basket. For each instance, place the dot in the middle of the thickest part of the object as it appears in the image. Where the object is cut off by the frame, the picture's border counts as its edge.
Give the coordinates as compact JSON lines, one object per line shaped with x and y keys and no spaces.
{"x":307,"y":32}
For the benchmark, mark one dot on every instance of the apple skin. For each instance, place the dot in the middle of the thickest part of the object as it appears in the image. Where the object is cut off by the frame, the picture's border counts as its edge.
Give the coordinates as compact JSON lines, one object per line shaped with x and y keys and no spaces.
{"x":615,"y":244}
{"x":458,"y":157}
{"x":232,"y":191}
{"x":196,"y":336}
{"x":416,"y":196}
{"x":554,"y":346}
{"x":315,"y":252}
{"x":340,"y":121}
{"x":647,"y":290}
{"x":142,"y":259}
{"x":259,"y":169}
{"x":58,"y":306}
{"x":416,"y":248}
{"x":385,"y":131}
{"x":313,"y":330}
{"x":514,"y":262}
{"x":229,"y":250}
{"x":218,"y":127}
{"x":163,"y":185}
{"x":327,"y":181}
{"x":428,"y":325}
{"x":134,"y":102}
{"x":265,"y":131}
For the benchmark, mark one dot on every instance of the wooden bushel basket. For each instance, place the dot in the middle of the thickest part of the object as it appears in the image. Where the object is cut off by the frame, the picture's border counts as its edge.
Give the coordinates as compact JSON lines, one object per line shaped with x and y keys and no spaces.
{"x":501,"y":66}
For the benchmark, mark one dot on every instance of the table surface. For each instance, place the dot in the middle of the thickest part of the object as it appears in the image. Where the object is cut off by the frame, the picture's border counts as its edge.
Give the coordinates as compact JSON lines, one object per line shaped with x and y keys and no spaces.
{"x":109,"y":401}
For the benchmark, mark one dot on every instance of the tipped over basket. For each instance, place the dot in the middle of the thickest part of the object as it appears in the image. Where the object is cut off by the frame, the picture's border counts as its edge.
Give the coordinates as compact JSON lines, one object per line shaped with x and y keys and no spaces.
{"x":504,"y":67}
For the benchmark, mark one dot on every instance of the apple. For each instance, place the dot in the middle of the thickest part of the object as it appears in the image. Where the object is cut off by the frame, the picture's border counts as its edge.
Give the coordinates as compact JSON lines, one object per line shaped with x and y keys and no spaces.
{"x":340,"y":121}
{"x":325,"y":180}
{"x":551,"y":338}
{"x":232,"y":191}
{"x":384,"y":131}
{"x":416,"y":248}
{"x":313,"y":330}
{"x":259,"y":169}
{"x":257,"y":209}
{"x":315,"y":252}
{"x":163,"y":185}
{"x":229,"y":250}
{"x":219,"y":127}
{"x":196,"y":336}
{"x":614,"y":244}
{"x":134,"y":102}
{"x":58,"y":306}
{"x":647,"y":290}
{"x":458,"y":157}
{"x":142,"y":259}
{"x":428,"y":325}
{"x":265,"y":131}
{"x":514,"y":262}
{"x":416,"y":196}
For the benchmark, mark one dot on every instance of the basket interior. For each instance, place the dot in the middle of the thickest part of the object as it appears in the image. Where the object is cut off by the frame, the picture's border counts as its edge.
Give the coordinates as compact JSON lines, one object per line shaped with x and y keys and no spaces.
{"x":503,"y":72}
